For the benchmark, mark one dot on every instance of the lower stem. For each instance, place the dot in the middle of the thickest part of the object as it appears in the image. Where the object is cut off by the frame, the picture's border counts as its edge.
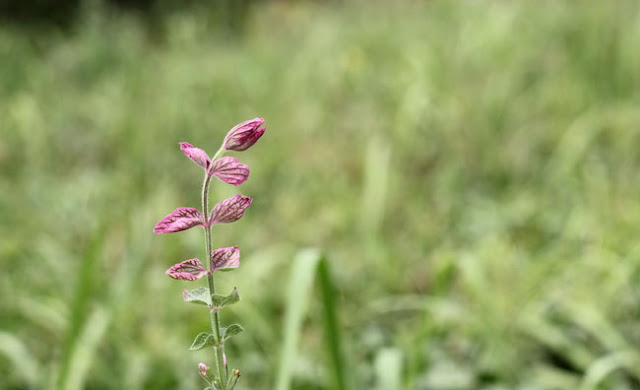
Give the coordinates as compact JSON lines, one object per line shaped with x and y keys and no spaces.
{"x":218,"y":343}
{"x":214,"y":314}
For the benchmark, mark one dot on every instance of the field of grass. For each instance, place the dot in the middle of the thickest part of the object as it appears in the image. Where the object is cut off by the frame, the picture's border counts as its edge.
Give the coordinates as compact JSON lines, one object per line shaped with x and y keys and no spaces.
{"x":469,"y":170}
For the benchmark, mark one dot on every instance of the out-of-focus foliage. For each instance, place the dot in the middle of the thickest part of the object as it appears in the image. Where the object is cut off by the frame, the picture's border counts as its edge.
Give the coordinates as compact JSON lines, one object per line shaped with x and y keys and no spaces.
{"x":471,"y":170}
{"x":230,"y":15}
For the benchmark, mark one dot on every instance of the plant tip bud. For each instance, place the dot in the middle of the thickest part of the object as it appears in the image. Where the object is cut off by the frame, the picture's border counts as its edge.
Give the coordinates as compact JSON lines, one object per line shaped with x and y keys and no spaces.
{"x":243,"y":135}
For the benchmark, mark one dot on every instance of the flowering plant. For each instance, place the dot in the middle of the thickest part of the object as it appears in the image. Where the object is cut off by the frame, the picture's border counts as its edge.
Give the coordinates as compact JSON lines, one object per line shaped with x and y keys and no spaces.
{"x":228,"y":170}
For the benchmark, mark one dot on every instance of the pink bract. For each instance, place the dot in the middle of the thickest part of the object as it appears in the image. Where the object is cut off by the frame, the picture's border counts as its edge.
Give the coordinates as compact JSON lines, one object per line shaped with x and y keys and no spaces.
{"x":243,"y":135}
{"x":230,"y":209}
{"x":225,"y":258}
{"x":191,"y":269}
{"x":180,"y":219}
{"x":196,"y":155}
{"x":229,"y":170}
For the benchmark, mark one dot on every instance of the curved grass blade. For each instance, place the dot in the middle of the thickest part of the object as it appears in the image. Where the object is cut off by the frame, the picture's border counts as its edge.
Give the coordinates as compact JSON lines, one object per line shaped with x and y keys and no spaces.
{"x":24,"y":364}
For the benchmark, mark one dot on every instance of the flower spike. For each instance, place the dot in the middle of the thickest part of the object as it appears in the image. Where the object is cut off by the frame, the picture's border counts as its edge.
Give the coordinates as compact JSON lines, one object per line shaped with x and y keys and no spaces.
{"x":182,"y":218}
{"x":222,"y":258}
{"x":243,"y":135}
{"x":196,"y":155}
{"x":229,"y":170}
{"x":230,"y":209}
{"x":191,"y":269}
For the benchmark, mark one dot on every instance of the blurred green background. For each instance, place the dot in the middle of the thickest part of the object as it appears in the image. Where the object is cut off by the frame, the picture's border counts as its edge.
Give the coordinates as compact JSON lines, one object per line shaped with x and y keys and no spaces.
{"x":470,"y":169}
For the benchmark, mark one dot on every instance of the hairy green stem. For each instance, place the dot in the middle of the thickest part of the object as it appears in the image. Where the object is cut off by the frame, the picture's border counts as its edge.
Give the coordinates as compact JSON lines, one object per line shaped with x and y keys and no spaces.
{"x":215,"y":315}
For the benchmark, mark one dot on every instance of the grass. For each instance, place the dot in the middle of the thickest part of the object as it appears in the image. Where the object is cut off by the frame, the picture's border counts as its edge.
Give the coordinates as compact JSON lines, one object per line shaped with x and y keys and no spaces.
{"x":471,"y":171}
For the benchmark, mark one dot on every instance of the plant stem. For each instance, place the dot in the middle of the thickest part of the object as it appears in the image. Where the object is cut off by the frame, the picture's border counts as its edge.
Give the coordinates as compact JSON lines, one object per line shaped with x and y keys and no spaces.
{"x":215,"y":315}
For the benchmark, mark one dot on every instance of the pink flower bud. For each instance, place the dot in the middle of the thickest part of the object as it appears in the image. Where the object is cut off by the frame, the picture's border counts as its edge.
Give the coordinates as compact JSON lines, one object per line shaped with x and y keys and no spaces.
{"x":180,"y":219}
{"x":229,"y":170}
{"x":191,"y":269}
{"x":196,"y":155}
{"x":203,"y":369}
{"x":243,"y":135}
{"x":225,"y":258}
{"x":230,"y":209}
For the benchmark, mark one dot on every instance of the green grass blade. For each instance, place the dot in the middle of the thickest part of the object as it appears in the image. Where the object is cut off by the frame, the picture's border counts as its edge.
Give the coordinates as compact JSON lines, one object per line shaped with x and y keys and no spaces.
{"x":331,"y":327}
{"x":388,"y":366}
{"x":84,"y":289}
{"x":603,"y":367}
{"x":376,"y":184}
{"x":300,"y":282}
{"x":85,"y":349}
{"x":17,"y":353}
{"x":308,"y":265}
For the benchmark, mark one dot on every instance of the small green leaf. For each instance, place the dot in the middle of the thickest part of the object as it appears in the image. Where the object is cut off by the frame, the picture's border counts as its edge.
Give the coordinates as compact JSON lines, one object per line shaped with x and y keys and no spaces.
{"x":231,"y":330}
{"x":221,"y":301}
{"x":200,"y":296}
{"x":201,"y":341}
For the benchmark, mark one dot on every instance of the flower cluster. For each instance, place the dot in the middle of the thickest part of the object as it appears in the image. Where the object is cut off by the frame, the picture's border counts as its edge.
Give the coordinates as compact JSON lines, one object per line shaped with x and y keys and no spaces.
{"x":231,"y":171}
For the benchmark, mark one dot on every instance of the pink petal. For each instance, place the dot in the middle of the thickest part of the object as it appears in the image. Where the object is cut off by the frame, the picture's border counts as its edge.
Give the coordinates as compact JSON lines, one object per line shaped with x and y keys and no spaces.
{"x":230,"y":209}
{"x":229,"y":170}
{"x":182,"y":218}
{"x":225,"y":258}
{"x":191,"y":269}
{"x":196,"y":155}
{"x":244,"y":135}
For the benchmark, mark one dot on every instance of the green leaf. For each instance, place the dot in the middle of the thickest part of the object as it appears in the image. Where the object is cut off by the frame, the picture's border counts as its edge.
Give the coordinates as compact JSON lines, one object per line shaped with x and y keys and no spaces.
{"x":199,"y":295}
{"x":231,"y":331}
{"x":221,"y":301}
{"x":201,"y":341}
